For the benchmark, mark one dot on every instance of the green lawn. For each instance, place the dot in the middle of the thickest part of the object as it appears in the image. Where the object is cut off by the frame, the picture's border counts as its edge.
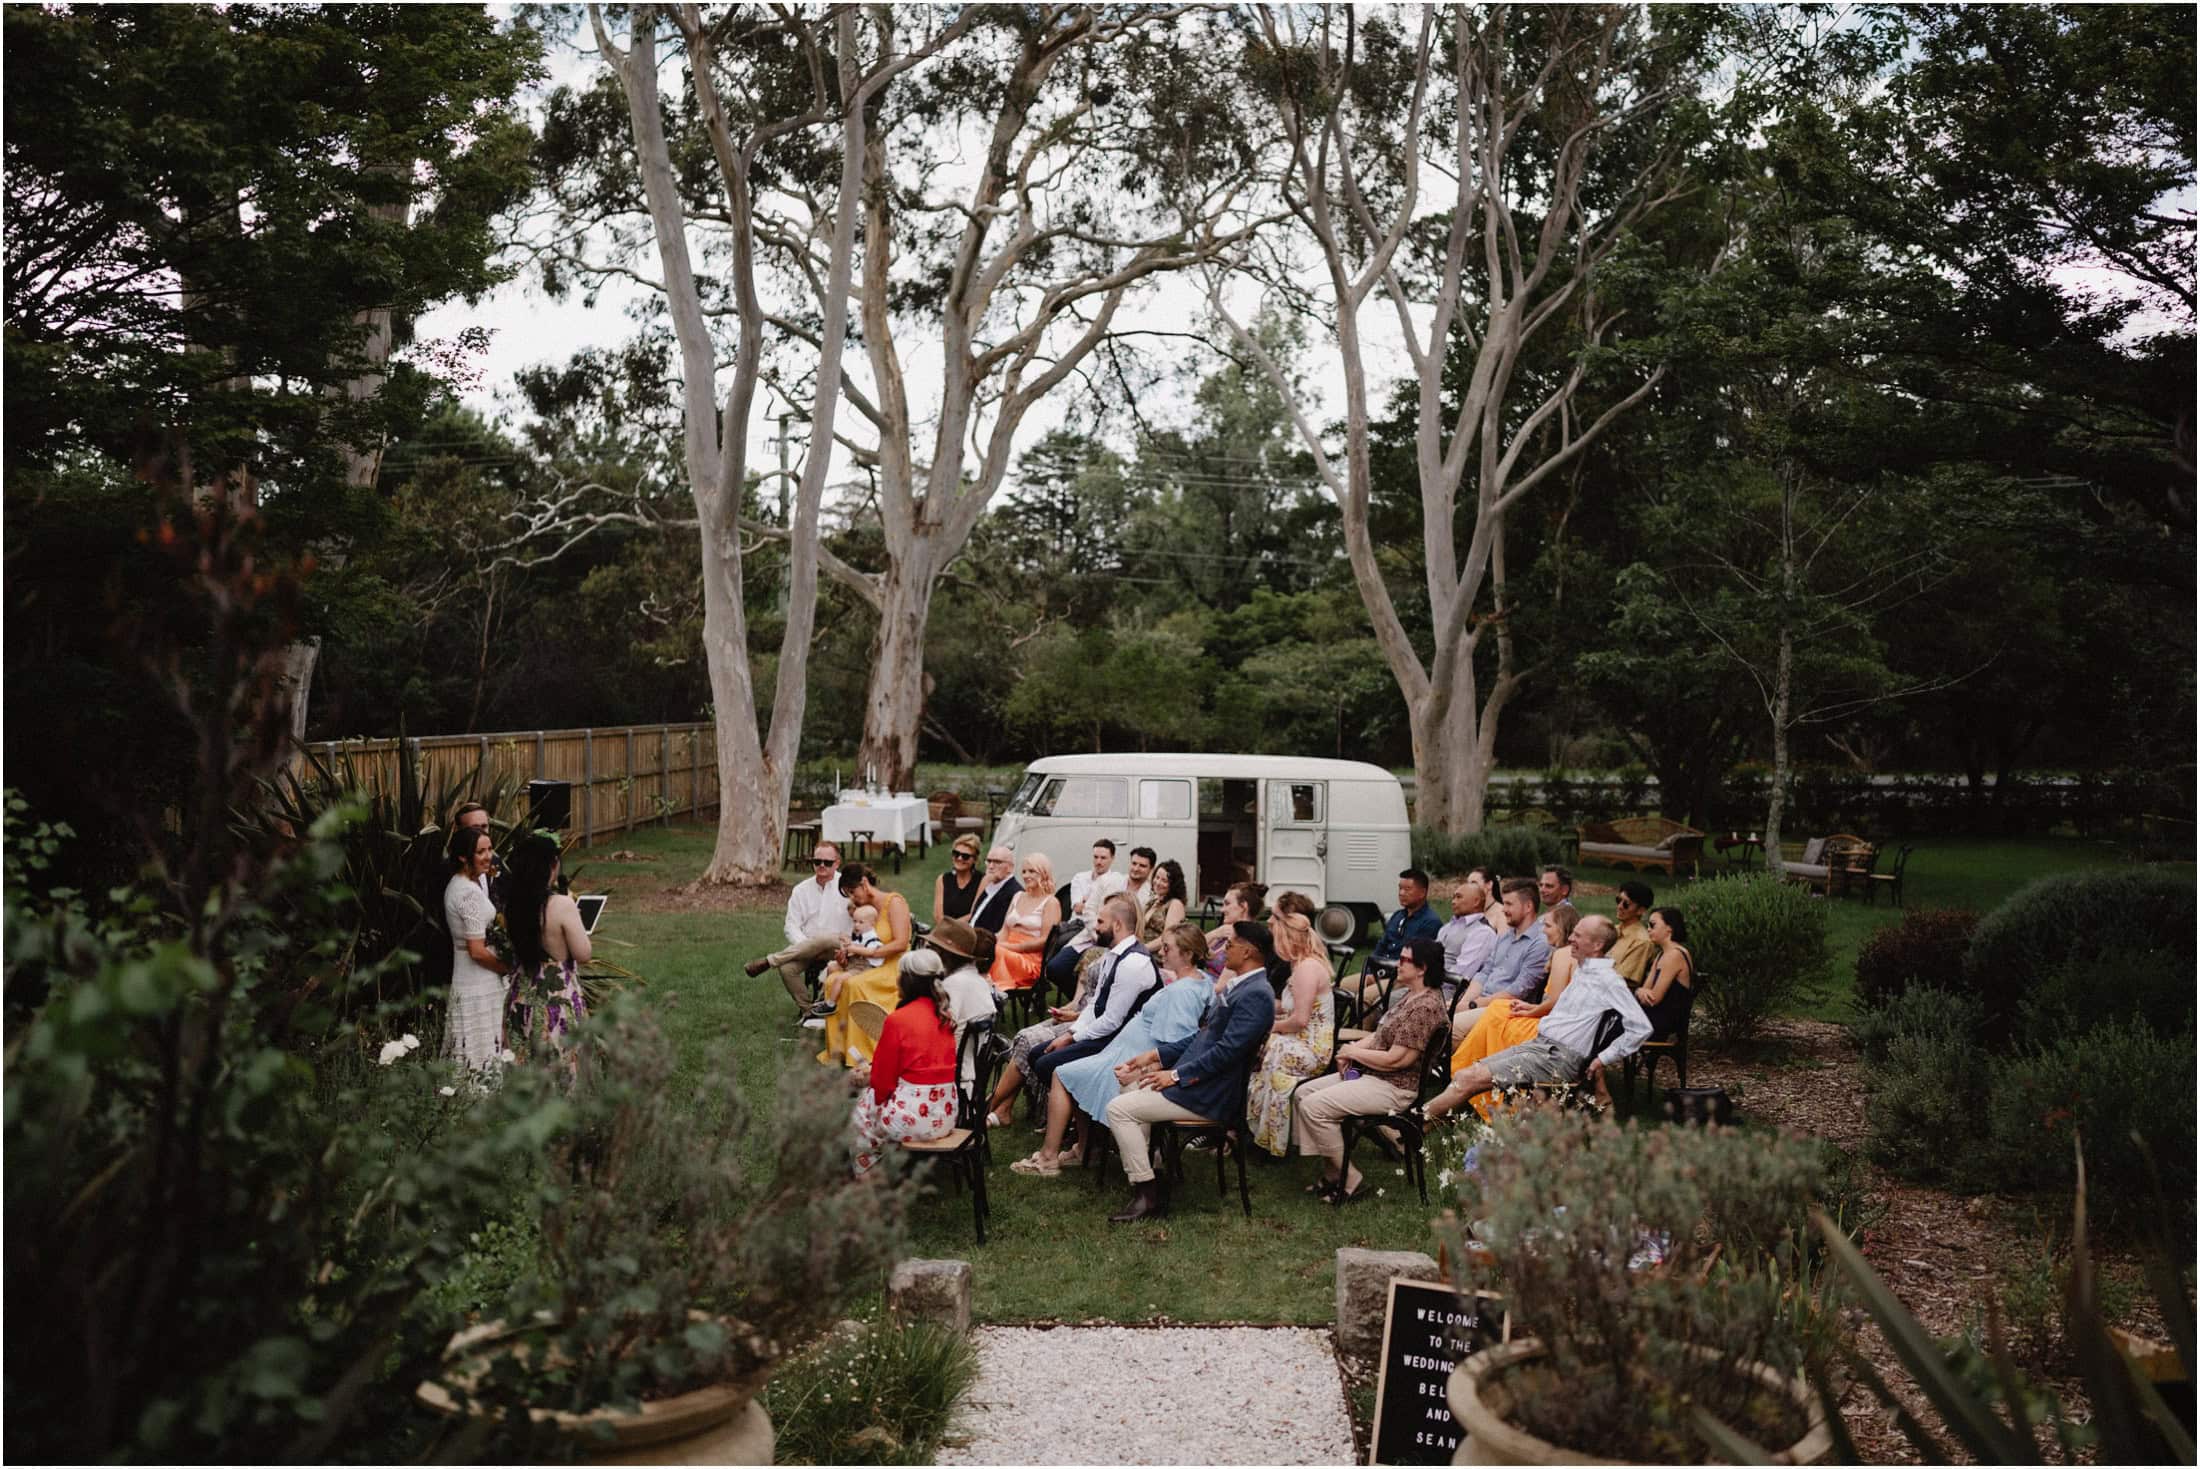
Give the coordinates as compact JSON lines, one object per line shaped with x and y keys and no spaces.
{"x":1052,"y":1252}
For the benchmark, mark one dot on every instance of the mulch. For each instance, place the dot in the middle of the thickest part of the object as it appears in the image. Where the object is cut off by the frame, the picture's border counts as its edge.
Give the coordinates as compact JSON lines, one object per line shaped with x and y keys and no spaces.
{"x":1943,"y":1255}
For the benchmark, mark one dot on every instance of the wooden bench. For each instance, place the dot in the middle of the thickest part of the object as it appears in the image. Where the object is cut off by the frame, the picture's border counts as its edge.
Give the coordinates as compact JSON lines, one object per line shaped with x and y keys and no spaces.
{"x":1646,"y":843}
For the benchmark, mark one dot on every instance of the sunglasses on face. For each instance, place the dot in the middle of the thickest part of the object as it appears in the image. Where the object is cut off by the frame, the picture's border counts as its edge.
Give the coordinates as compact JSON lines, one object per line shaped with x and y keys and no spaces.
{"x":966,"y":856}
{"x":823,"y":861}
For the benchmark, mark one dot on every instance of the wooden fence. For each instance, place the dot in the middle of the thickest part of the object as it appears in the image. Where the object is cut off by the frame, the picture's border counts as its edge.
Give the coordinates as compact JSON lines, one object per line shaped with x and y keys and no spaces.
{"x":621,"y":777}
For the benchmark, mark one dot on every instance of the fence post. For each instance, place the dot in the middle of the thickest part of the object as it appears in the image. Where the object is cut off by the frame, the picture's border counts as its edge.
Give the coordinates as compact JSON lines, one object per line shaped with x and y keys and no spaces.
{"x":538,"y":757}
{"x":664,"y":775}
{"x":628,"y":824}
{"x":588,"y":787}
{"x":695,"y":770}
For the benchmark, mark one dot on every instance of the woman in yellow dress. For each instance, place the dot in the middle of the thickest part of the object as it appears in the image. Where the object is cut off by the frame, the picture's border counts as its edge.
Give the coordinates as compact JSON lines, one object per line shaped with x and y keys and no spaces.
{"x":1506,"y":1022}
{"x":845,"y":1041}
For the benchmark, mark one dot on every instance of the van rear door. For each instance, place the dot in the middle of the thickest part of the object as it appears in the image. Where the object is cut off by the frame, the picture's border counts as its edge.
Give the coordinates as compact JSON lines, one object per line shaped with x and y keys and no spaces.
{"x":1295,"y":834}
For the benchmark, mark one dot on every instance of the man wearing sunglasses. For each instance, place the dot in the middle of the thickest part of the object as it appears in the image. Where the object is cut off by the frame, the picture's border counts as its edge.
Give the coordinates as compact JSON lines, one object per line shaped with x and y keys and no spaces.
{"x":996,"y":890}
{"x":817,"y":925}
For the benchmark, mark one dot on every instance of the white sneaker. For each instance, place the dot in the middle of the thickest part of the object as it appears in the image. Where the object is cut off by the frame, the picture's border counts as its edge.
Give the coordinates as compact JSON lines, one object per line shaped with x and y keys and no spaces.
{"x":815,"y":1022}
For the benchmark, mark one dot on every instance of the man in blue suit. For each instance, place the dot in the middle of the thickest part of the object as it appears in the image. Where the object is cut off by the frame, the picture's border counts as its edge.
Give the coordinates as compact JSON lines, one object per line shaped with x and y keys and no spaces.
{"x":1201,"y":1079}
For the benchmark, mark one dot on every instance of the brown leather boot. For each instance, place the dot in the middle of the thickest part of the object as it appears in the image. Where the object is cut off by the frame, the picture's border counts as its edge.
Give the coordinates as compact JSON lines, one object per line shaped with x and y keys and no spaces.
{"x":1145,"y":1204}
{"x":756,"y":966}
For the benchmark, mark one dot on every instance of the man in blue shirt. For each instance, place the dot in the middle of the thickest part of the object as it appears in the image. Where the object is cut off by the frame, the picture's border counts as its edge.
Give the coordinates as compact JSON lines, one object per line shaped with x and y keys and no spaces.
{"x":1519,"y":962}
{"x":1413,"y":920}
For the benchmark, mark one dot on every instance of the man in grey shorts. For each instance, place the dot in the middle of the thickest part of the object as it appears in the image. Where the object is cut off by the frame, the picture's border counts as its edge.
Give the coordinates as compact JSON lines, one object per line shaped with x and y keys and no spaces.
{"x":1558,"y":1051}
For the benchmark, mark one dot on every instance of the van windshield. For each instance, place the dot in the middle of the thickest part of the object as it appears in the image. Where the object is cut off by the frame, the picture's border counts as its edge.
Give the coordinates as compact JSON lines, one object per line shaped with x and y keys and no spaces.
{"x":1025,"y":792}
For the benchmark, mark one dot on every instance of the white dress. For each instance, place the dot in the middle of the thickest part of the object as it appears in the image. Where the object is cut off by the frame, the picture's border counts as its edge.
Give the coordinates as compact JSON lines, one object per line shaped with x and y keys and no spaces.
{"x":477,"y":993}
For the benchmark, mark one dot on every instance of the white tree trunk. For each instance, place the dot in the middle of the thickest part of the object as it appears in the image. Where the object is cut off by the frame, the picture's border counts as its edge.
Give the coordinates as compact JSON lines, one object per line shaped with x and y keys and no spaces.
{"x":894,"y":701}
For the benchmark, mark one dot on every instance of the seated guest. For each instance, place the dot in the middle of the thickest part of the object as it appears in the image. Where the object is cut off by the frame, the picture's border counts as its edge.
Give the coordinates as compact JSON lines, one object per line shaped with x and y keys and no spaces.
{"x":1138,"y":881}
{"x":1124,"y":978}
{"x":1470,"y":935}
{"x":996,"y":890}
{"x":1244,"y":902}
{"x":1632,"y":950}
{"x":1304,"y":1034}
{"x":966,"y":995}
{"x":1558,"y":1051}
{"x":1376,"y":1076}
{"x":845,"y":1041}
{"x":861,"y":952}
{"x":1197,"y":1079}
{"x":1164,"y":905}
{"x":1087,"y":890}
{"x":1291,"y":900}
{"x":911,"y":1093}
{"x":1029,"y":1042}
{"x":955,"y":891}
{"x":1029,"y":917}
{"x":1413,"y":920}
{"x":817,"y":924}
{"x":1507,"y":1022}
{"x":1665,"y":995}
{"x":1518,"y":961}
{"x":1083,"y":1088}
{"x":1555,"y":886}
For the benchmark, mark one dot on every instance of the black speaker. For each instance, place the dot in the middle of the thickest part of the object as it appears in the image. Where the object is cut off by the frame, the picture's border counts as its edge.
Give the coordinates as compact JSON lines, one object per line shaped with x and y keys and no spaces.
{"x":549,"y":805}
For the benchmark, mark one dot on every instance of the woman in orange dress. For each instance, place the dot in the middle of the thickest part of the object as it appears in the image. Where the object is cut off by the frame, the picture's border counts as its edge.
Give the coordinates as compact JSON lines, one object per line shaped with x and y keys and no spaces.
{"x":1031,"y":917}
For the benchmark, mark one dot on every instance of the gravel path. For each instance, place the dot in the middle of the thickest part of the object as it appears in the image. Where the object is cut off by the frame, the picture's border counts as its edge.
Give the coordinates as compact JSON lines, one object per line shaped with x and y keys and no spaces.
{"x":1152,"y":1395}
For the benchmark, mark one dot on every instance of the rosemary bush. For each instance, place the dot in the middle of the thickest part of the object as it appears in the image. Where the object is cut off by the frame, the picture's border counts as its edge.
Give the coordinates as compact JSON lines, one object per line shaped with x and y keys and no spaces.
{"x":1647,"y":1262}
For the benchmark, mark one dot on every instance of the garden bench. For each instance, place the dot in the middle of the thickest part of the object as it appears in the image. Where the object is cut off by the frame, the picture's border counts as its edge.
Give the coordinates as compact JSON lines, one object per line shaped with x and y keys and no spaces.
{"x":1646,"y":843}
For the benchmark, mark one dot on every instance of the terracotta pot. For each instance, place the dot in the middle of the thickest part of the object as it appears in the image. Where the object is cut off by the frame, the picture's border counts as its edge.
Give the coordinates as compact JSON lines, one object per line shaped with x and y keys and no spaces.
{"x":1488,"y":1439}
{"x":720,"y":1424}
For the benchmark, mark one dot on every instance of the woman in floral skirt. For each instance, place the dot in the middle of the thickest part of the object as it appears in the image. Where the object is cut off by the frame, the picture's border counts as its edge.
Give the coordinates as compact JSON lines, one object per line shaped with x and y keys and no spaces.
{"x":549,"y":944}
{"x":910,"y":1096}
{"x":1300,"y":1045}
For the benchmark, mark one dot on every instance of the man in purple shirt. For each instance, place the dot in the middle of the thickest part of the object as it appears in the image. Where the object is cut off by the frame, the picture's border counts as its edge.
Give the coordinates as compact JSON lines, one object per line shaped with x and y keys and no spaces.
{"x":1517,"y":962}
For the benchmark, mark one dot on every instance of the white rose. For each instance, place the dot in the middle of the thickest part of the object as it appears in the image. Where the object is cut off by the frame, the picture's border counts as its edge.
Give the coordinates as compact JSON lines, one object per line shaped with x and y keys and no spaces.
{"x":391,"y":1050}
{"x":411,"y":1042}
{"x":448,"y":1091}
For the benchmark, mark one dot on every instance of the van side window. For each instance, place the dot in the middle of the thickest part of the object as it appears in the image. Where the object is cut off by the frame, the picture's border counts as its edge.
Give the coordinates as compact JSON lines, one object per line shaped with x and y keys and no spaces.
{"x":1164,"y":800}
{"x":1084,"y":795}
{"x":1297,"y":802}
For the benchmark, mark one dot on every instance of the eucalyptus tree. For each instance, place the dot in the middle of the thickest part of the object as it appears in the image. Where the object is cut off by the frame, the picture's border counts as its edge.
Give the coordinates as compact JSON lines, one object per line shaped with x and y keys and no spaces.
{"x":1475,"y":170}
{"x":770,"y":96}
{"x":1106,"y":151}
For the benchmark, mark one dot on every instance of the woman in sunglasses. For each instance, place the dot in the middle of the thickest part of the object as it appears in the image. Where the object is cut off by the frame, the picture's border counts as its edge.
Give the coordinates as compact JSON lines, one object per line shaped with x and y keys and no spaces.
{"x":955,"y":890}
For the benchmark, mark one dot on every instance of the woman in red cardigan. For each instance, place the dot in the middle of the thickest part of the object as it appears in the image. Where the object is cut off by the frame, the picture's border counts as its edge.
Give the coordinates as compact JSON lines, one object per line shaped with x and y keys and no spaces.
{"x":911,"y":1091}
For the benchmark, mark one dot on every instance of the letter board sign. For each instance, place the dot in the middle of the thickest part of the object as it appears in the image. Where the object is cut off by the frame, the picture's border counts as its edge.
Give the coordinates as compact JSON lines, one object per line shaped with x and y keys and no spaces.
{"x":1427,"y":1329}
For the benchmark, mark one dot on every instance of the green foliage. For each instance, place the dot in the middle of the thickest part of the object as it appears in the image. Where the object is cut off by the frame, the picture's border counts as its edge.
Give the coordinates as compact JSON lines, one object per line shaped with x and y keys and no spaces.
{"x":1761,"y":946}
{"x":882,"y":1395}
{"x":2077,"y":919}
{"x":1926,"y":947}
{"x":2128,"y":980}
{"x":186,"y":1166}
{"x":684,"y":1240}
{"x":1980,"y":1400}
{"x":1941,"y":1015}
{"x":1925,"y":1104}
{"x":1563,"y":1206}
{"x":2122,"y":1084}
{"x":1508,"y":851}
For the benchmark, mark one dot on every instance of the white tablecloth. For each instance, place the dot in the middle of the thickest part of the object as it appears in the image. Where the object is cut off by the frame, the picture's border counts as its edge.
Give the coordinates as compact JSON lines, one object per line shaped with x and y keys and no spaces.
{"x":903,"y":819}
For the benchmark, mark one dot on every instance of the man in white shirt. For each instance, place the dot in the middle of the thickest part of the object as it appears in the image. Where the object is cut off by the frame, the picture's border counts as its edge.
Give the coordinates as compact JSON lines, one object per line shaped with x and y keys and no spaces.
{"x":1087,"y":890}
{"x":1140,"y":882}
{"x":996,"y":890}
{"x":1559,"y":1050}
{"x":1470,"y":936}
{"x":817,"y":925}
{"x":1125,"y":978}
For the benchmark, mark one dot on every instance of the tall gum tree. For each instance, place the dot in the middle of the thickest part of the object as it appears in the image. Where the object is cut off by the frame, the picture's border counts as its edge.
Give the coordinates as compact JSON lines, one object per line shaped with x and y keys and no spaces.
{"x":828,"y":88}
{"x":1105,"y":157}
{"x":1548,"y":132}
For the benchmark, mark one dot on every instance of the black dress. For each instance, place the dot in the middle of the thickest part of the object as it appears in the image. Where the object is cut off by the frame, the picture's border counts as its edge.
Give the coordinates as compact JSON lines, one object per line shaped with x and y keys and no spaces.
{"x":1670,"y":1013}
{"x":956,"y":902}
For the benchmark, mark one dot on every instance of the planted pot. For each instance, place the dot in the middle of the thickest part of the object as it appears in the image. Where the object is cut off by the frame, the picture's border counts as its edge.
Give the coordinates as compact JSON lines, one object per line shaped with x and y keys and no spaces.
{"x":1479,"y":1403}
{"x":719,"y":1424}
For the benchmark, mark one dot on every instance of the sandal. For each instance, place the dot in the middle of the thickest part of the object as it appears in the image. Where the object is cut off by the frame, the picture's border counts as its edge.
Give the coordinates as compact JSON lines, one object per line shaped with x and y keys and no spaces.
{"x":996,"y":1118}
{"x":1340,"y":1198}
{"x":1322,"y":1188}
{"x":1036,"y":1167}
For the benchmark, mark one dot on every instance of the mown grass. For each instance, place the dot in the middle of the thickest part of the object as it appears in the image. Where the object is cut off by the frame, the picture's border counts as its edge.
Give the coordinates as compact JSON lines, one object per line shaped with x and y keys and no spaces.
{"x":1052,"y":1254}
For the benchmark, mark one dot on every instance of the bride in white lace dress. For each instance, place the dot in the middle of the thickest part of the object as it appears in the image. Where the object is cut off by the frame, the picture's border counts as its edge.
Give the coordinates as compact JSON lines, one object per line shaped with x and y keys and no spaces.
{"x":477,"y":974}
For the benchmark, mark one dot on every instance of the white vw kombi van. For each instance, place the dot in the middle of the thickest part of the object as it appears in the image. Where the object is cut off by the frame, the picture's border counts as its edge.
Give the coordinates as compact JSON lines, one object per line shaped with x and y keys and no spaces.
{"x":1332,"y":829}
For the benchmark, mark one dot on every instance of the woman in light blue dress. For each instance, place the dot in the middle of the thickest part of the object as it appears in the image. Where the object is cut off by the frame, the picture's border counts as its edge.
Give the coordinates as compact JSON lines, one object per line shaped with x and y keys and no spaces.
{"x":1172,"y":1013}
